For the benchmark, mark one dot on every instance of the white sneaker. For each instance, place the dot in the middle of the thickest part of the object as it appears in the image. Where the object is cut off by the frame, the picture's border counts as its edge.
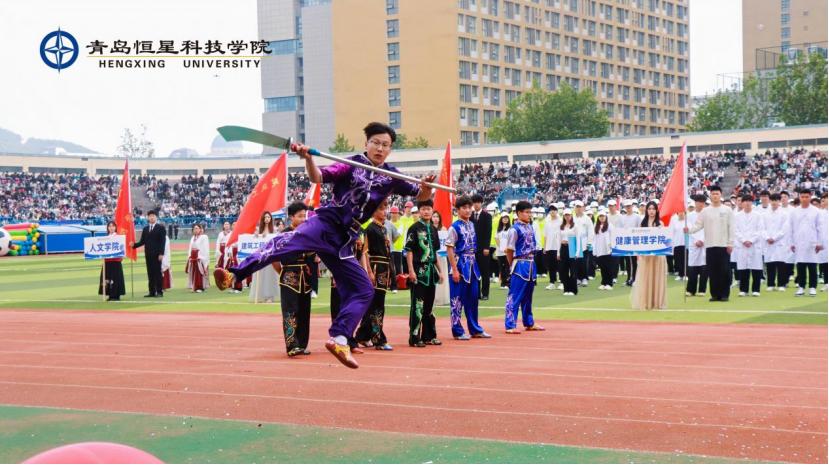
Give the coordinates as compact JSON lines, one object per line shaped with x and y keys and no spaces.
{"x":591,"y":278}
{"x":624,"y":272}
{"x":769,"y":289}
{"x":823,"y":289}
{"x":568,"y":294}
{"x":394,"y":291}
{"x":685,"y":278}
{"x":543,"y":275}
{"x":560,"y":286}
{"x":812,"y":292}
{"x":798,"y":292}
{"x":504,"y":287}
{"x":688,"y":294}
{"x":614,"y":280}
{"x":601,"y":288}
{"x":608,"y":288}
{"x":678,"y":278}
{"x":755,"y":294}
{"x":550,"y":287}
{"x":313,"y":295}
{"x":742,"y":294}
{"x":781,"y":289}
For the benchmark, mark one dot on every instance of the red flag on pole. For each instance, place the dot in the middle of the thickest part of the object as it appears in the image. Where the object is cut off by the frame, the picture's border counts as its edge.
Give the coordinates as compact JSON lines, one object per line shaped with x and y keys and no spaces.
{"x":124,"y":221}
{"x":676,"y":191}
{"x":313,"y":197}
{"x":444,"y":200}
{"x":270,"y":194}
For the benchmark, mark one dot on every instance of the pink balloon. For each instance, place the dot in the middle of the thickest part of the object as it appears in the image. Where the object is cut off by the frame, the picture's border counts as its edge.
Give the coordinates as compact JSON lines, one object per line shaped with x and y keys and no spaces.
{"x":94,"y":452}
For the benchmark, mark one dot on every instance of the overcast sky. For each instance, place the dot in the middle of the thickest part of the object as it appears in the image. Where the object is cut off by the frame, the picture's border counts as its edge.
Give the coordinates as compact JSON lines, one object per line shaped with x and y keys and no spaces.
{"x":182,"y":108}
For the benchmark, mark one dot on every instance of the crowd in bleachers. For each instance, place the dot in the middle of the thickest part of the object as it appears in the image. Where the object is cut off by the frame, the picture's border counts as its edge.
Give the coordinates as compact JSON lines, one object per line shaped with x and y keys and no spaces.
{"x":71,"y":196}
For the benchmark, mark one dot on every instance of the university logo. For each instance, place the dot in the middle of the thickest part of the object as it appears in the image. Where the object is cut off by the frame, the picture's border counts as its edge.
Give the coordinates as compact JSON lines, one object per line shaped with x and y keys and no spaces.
{"x":59,"y":49}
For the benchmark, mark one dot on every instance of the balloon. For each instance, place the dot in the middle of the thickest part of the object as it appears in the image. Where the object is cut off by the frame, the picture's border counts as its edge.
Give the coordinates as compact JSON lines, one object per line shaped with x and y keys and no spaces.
{"x":94,"y":452}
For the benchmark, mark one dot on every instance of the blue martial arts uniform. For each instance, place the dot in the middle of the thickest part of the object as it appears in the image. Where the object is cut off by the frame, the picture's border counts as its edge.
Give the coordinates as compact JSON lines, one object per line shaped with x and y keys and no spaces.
{"x":521,"y":240}
{"x":464,"y":294}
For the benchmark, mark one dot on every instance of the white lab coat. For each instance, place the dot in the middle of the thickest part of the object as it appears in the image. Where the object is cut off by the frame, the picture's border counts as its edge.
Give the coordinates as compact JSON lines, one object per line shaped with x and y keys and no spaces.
{"x":601,"y":242}
{"x":776,"y":227}
{"x":824,"y":219}
{"x":675,"y":228}
{"x":552,"y":234}
{"x":806,"y":232}
{"x":789,"y":255}
{"x":748,"y":227}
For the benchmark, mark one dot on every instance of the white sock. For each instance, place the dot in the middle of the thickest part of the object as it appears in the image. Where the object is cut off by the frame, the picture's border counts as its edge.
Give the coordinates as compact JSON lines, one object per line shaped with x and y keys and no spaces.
{"x":341,"y":340}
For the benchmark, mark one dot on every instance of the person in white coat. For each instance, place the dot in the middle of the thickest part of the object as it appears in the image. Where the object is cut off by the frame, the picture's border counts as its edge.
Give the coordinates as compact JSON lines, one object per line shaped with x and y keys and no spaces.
{"x":822,"y":257}
{"x":748,"y":233}
{"x":630,"y":220}
{"x":697,"y":272}
{"x":602,"y":249}
{"x":776,"y":245}
{"x":198,"y":261}
{"x":552,"y":242}
{"x":678,"y":243}
{"x":787,"y":208}
{"x":806,"y":232}
{"x":584,"y":231}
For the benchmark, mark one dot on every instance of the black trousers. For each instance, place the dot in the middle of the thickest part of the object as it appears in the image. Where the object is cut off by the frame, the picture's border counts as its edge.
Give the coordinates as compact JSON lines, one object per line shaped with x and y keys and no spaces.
{"x":154,"y":278}
{"x":823,"y":271}
{"x":802,"y":268}
{"x":605,"y":268}
{"x":421,"y":320}
{"x":789,"y":271}
{"x":371,"y":326}
{"x":568,"y":269}
{"x":631,"y":264}
{"x":296,"y":317}
{"x":483,"y":264}
{"x":718,"y":262}
{"x":671,"y":259}
{"x":400,"y":266}
{"x":503,"y":271}
{"x":754,"y":276}
{"x":581,"y":266}
{"x":538,"y":258}
{"x":679,"y":260}
{"x":314,"y":280}
{"x":614,"y":267}
{"x":697,"y":279}
{"x":777,"y":274}
{"x":551,"y":263}
{"x":590,"y":263}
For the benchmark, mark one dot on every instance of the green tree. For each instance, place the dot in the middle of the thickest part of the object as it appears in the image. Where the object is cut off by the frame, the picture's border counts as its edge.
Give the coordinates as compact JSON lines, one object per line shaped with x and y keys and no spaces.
{"x":542,"y":115}
{"x":798,"y":91}
{"x":341,"y":145}
{"x":403,"y":142}
{"x":718,"y":112}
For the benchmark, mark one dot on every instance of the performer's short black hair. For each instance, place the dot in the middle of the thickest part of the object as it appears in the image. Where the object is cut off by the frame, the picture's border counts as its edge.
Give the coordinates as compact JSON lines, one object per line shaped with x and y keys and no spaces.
{"x":699,"y":198}
{"x":747,"y":198}
{"x":477,"y":198}
{"x":296,"y":207}
{"x":715,"y":188}
{"x":804,"y":190}
{"x":775,"y":197}
{"x":766,"y":193}
{"x":425,"y":203}
{"x":523,"y":205}
{"x":152,"y":212}
{"x":784,"y":192}
{"x":463,"y":201}
{"x":374,"y":128}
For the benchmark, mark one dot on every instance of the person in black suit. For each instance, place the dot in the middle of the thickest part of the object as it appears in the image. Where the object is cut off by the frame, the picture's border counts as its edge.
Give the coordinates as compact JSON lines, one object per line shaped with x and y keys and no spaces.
{"x":153,"y":236}
{"x":483,"y":235}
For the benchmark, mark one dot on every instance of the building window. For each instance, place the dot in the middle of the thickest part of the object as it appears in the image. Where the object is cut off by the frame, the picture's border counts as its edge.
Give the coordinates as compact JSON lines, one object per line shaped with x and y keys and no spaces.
{"x":394,"y":119}
{"x":470,"y":137}
{"x":394,"y":51}
{"x":276,"y":104}
{"x":394,"y":74}
{"x":785,"y":32}
{"x":392,"y":28}
{"x":394,"y":97}
{"x":283,"y":47}
{"x":391,"y":7}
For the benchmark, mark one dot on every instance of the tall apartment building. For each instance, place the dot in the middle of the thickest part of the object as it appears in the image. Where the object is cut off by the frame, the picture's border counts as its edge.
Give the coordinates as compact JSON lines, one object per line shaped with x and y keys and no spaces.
{"x":445,"y":69}
{"x":775,"y":28}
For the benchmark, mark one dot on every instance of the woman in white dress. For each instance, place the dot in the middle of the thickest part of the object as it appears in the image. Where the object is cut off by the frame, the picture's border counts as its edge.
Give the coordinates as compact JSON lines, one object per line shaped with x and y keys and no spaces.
{"x":265,"y":284}
{"x":221,"y":245}
{"x":198,"y":261}
{"x":601,"y":250}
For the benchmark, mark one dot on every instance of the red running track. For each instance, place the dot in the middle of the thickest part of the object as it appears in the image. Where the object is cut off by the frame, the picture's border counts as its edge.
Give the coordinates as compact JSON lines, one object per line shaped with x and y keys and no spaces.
{"x":740,"y":391}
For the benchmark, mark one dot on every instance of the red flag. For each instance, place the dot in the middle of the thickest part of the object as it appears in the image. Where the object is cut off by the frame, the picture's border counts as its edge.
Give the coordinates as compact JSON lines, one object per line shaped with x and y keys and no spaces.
{"x":313,"y":197}
{"x":270,"y":194}
{"x":124,"y":221}
{"x":676,"y":191}
{"x":444,"y":200}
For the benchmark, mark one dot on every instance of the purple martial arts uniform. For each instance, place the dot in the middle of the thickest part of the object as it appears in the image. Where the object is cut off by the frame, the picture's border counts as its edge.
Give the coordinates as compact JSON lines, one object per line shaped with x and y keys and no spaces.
{"x":331,"y":233}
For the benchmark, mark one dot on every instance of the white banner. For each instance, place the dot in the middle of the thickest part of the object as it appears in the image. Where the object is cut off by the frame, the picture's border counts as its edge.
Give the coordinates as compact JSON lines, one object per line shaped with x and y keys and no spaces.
{"x":95,"y":248}
{"x":640,"y":241}
{"x":250,"y":243}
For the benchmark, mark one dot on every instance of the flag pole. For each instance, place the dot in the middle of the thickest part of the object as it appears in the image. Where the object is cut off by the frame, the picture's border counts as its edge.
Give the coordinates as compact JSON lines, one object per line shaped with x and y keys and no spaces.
{"x":685,"y":235}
